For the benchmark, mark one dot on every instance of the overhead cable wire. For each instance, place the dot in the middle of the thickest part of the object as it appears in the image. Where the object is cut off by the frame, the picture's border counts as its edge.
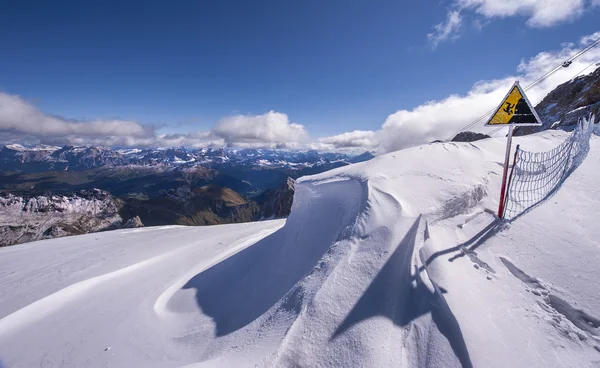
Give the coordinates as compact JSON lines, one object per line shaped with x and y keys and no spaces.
{"x":575,"y":76}
{"x":532,"y":84}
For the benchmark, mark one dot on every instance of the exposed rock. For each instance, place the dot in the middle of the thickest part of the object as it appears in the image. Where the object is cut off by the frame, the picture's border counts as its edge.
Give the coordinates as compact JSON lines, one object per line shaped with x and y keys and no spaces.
{"x":54,"y":231}
{"x":133,"y":222}
{"x":278,"y":203}
{"x":566,"y":104}
{"x":469,"y":137}
{"x":24,"y":219}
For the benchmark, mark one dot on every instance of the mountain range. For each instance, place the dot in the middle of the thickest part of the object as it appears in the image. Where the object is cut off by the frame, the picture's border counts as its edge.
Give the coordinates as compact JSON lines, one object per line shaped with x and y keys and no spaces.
{"x":18,"y":158}
{"x":155,"y":186}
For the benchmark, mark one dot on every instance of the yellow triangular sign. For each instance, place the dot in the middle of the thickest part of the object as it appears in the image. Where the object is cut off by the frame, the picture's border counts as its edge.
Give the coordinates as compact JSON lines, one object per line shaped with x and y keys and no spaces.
{"x":515,"y":109}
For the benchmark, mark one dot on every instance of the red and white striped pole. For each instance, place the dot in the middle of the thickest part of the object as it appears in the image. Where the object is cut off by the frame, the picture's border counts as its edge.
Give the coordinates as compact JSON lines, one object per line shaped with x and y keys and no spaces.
{"x":504,"y":176}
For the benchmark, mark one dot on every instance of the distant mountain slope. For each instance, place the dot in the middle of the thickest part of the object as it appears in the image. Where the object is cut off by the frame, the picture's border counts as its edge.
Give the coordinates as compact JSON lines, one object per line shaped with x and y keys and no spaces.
{"x":16,"y":158}
{"x":207,"y":205}
{"x":25,"y":219}
{"x":366,"y":156}
{"x":176,"y":200}
{"x":124,"y":181}
{"x":277,"y":203}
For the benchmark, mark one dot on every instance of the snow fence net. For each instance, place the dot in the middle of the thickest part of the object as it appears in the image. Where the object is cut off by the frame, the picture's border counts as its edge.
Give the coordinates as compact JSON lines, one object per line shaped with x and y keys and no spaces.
{"x":537,"y":175}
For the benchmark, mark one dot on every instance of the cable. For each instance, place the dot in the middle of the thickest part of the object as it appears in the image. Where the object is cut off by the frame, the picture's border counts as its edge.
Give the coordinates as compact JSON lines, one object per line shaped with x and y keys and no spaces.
{"x":495,"y":130}
{"x":569,"y":61}
{"x":531,"y":85}
{"x":575,"y":76}
{"x":584,"y":69}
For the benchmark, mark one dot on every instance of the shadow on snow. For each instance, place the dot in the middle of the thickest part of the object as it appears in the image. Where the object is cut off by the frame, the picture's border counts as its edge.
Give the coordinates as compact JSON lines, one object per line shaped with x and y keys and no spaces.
{"x":393,"y":295}
{"x":243,"y":287}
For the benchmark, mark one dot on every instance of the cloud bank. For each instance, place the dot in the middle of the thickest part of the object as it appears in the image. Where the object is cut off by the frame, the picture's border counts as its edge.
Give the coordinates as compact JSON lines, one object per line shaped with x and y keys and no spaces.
{"x":272,"y":128}
{"x":22,"y":122}
{"x":19,"y":116}
{"x":356,"y":141}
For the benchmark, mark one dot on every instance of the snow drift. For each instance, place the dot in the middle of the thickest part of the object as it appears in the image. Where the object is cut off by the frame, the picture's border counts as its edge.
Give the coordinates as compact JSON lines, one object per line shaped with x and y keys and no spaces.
{"x":398,"y":261}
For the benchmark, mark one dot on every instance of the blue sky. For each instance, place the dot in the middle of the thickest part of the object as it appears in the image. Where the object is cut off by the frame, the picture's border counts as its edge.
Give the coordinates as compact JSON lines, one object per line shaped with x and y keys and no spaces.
{"x":331,"y":66}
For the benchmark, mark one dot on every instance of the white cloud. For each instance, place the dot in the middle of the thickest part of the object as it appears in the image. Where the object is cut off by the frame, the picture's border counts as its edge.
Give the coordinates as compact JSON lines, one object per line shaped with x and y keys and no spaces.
{"x":539,"y":13}
{"x":22,"y":122}
{"x":359,"y":139}
{"x":440,"y":119}
{"x":193,"y":140}
{"x":586,"y":40}
{"x":447,"y":29}
{"x":19,"y":116}
{"x":271,"y":129}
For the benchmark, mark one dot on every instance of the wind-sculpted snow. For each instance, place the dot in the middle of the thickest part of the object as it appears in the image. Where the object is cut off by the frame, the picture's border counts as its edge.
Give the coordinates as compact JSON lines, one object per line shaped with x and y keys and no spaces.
{"x":399,"y":261}
{"x":259,"y":276}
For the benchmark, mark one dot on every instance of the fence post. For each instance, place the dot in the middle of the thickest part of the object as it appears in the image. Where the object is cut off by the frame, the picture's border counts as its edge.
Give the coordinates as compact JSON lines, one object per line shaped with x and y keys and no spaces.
{"x":504,"y":175}
{"x":510,"y":179}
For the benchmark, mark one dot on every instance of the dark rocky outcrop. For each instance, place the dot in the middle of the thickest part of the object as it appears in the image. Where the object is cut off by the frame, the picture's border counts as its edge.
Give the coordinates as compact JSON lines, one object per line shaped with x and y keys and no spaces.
{"x":469,"y":137}
{"x":278,"y":203}
{"x":566,"y":104}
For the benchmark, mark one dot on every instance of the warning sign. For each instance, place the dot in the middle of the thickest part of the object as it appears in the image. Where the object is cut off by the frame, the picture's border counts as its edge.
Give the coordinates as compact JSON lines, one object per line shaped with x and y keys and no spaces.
{"x":515,"y":110}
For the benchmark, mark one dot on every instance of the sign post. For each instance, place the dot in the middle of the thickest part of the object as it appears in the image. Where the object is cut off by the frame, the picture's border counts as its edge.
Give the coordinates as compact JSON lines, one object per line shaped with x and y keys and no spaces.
{"x":515,"y":110}
{"x":505,"y":174}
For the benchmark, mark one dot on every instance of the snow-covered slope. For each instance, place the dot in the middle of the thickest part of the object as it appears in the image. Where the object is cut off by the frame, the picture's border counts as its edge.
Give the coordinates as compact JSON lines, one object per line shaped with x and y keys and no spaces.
{"x":395,"y":262}
{"x":93,"y":300}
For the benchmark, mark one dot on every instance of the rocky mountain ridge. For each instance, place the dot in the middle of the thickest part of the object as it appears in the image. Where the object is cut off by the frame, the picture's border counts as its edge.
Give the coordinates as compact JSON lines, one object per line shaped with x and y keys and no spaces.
{"x":25,"y":219}
{"x":560,"y":109}
{"x":566,"y":104}
{"x":278,"y":203}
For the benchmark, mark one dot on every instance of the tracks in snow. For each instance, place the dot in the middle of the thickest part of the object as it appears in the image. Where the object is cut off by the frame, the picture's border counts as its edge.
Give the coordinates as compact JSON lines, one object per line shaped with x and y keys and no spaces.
{"x":557,"y":308}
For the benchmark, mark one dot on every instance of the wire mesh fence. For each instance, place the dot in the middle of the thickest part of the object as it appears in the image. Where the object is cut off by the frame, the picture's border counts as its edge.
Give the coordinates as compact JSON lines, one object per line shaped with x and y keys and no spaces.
{"x":537,"y":175}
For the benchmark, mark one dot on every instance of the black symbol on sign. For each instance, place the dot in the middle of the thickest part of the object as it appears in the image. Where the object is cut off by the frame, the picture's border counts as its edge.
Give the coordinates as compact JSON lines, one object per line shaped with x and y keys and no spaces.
{"x":508,"y":108}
